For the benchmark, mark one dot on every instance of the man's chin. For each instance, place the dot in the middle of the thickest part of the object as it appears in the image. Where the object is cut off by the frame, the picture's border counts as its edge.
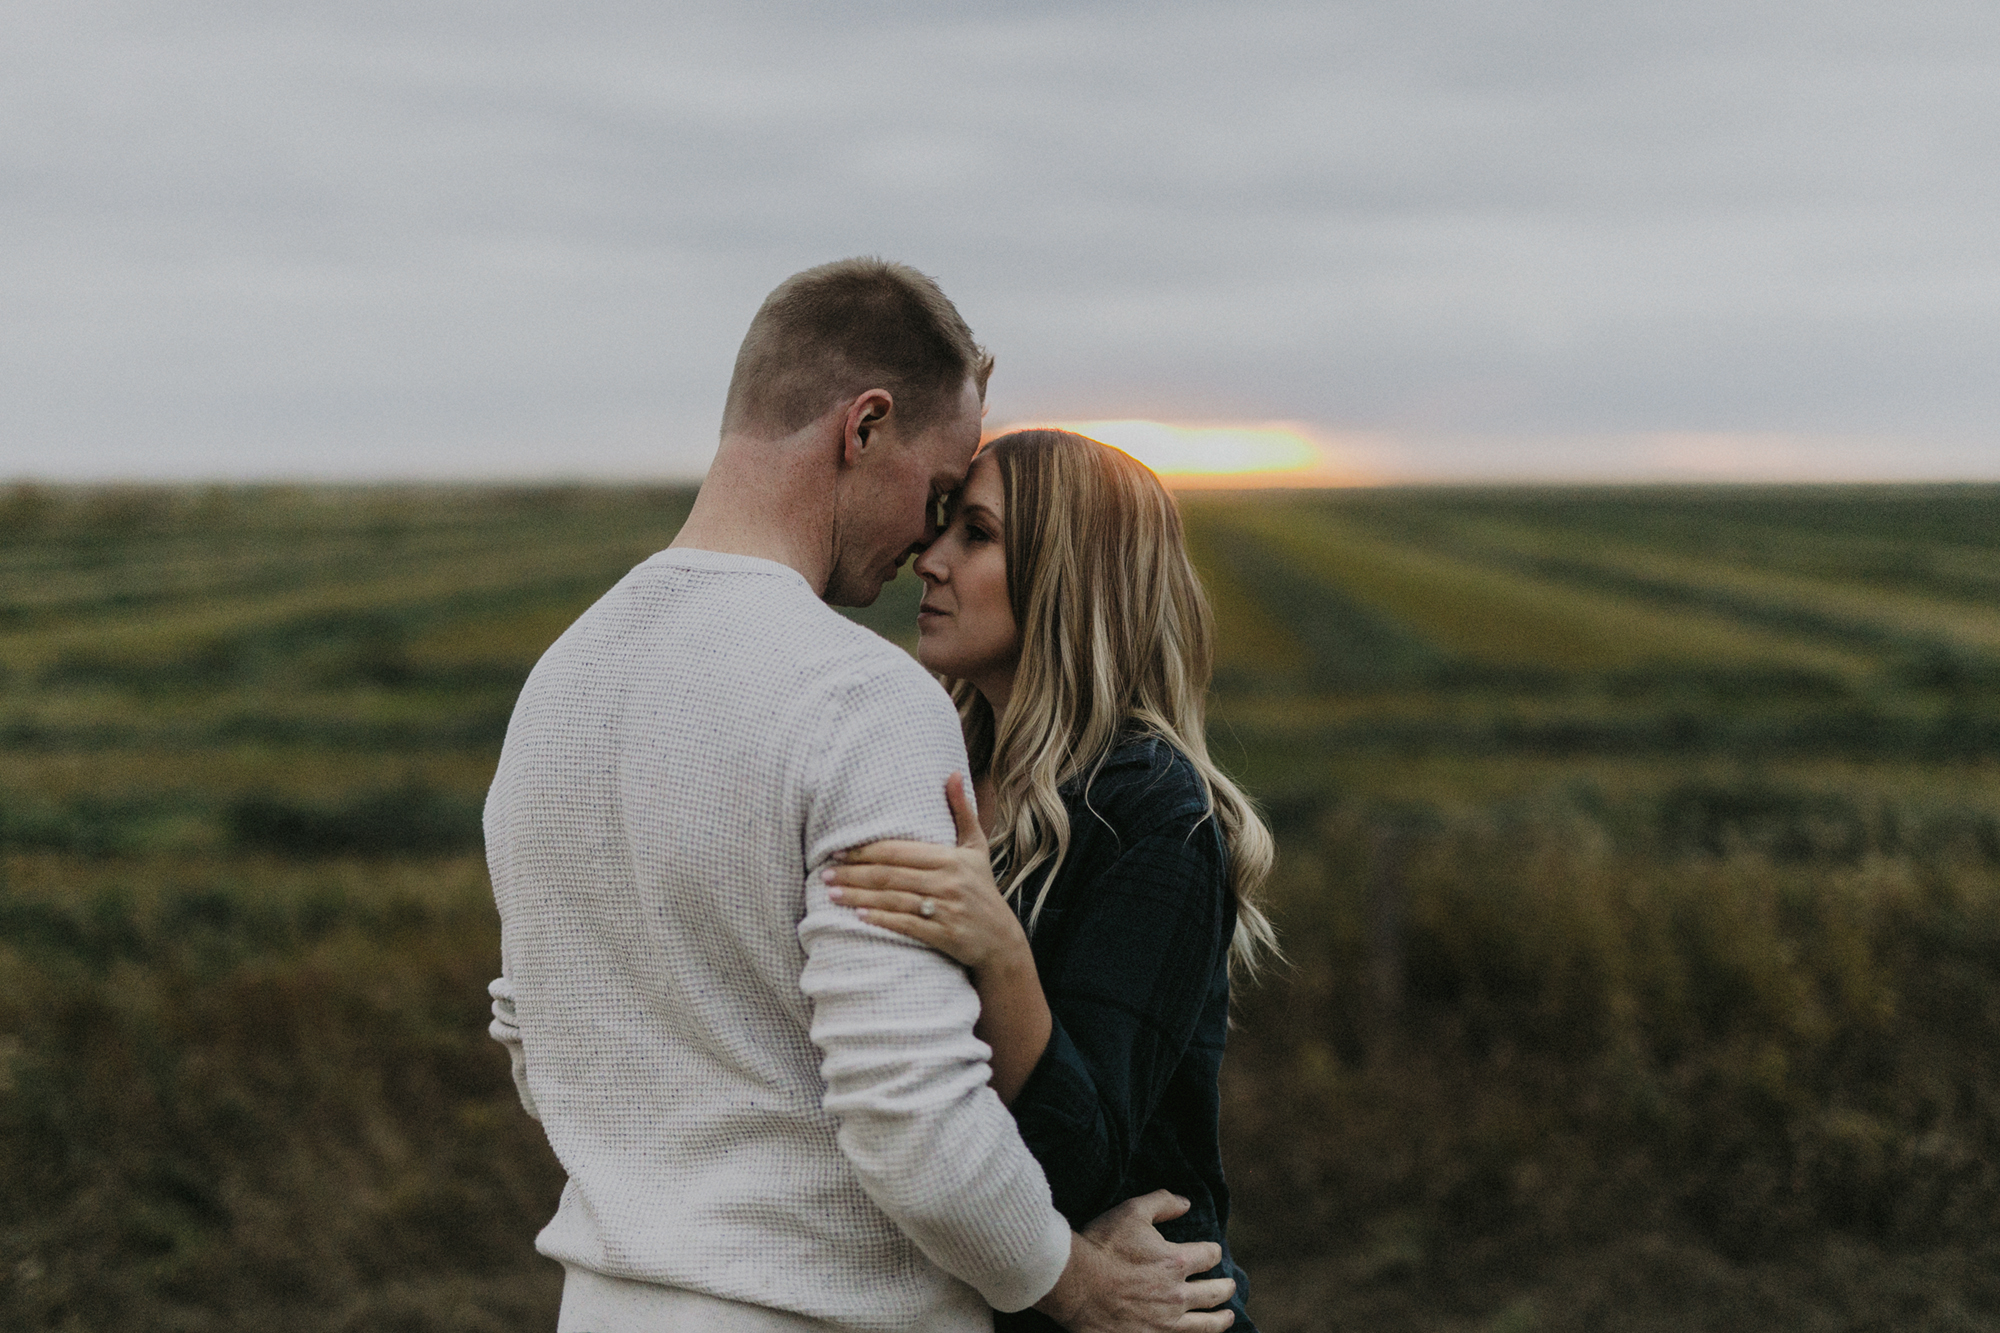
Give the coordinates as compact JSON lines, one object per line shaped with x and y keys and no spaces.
{"x":848,"y":589}
{"x":856,"y":594}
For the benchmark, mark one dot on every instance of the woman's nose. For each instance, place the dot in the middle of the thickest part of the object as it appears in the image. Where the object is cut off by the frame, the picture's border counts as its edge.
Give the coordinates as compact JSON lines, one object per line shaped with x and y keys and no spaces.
{"x":928,"y":566}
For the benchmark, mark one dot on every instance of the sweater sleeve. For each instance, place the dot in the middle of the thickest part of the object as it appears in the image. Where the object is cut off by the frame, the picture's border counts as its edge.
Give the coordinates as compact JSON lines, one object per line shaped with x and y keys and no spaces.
{"x":906,"y":1080}
{"x":1144,"y":940}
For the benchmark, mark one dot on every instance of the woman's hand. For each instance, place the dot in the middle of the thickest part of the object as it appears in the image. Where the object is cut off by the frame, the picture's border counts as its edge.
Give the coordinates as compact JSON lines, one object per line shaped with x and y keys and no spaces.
{"x":945,"y":897}
{"x":941,"y":896}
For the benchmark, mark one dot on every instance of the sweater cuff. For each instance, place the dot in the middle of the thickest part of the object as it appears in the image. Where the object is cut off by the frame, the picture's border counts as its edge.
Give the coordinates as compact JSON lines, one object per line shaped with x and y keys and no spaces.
{"x":1036,"y":1276}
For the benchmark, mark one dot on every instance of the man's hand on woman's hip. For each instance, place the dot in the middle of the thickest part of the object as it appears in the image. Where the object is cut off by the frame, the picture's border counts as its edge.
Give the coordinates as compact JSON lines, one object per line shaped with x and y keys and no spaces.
{"x":1124,"y":1277}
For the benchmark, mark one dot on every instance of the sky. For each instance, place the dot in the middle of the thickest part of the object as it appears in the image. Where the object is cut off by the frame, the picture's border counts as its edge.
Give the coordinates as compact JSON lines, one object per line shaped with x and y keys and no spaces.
{"x":1443,"y":239}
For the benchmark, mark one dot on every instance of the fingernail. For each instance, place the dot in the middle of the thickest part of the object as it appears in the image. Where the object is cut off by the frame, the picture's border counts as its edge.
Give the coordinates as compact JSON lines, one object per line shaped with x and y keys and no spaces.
{"x":826,"y":875}
{"x":835,"y":894}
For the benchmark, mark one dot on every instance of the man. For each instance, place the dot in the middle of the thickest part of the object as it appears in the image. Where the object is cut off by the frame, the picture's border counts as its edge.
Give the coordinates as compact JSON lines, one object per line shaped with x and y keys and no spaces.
{"x":772,"y":1115}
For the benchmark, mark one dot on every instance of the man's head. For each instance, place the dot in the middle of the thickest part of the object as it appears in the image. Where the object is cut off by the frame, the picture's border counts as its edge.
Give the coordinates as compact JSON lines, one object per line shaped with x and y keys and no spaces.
{"x":874,"y":350}
{"x":832,"y":332}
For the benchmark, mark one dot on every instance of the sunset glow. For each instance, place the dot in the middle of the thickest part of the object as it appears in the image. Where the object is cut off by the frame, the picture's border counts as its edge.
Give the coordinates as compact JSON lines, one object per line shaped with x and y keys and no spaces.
{"x":1265,"y":453}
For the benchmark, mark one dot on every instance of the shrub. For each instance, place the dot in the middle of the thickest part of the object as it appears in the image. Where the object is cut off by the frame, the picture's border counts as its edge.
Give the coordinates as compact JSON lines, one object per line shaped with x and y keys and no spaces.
{"x":319,"y":1138}
{"x":413,"y":819}
{"x":1747,"y":1045}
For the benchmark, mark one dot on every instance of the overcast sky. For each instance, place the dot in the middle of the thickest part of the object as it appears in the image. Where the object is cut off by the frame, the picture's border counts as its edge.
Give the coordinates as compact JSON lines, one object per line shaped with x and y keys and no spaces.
{"x":423,"y":238}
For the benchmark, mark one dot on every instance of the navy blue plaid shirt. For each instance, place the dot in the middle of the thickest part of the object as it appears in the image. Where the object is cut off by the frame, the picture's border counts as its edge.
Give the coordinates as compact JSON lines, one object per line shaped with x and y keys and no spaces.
{"x":1133,"y":950}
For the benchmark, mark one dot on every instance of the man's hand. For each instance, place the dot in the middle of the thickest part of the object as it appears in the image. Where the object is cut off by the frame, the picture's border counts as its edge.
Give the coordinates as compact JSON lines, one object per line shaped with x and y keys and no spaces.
{"x":1124,"y":1277}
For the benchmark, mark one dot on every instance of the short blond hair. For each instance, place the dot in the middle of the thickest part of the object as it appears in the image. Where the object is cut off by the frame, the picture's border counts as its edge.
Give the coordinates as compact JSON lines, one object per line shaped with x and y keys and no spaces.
{"x":846,"y":327}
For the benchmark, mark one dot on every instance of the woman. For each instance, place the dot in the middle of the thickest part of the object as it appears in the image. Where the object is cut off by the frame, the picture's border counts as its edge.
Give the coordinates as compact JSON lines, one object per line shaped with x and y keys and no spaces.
{"x":1061,"y":608}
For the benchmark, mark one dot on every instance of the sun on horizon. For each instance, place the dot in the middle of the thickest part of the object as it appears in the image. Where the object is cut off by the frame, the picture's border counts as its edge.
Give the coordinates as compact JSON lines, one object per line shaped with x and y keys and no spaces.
{"x":1216,"y":455}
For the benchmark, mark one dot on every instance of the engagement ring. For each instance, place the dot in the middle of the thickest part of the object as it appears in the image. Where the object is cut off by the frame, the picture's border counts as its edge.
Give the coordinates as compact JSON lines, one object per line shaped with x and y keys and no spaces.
{"x":928,"y":909}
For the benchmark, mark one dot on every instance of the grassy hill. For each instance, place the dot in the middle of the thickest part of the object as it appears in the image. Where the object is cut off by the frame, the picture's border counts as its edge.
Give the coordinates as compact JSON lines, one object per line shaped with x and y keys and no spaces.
{"x":1640,"y":870}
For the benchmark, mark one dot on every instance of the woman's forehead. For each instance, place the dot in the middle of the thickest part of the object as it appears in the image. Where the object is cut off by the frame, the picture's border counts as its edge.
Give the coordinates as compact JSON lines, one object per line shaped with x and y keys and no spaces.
{"x":982,"y":485}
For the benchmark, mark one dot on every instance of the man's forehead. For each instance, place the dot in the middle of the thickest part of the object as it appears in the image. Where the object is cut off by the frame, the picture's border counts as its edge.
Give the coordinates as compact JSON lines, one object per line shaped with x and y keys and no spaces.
{"x":964,"y":481}
{"x":964,"y":449}
{"x":952,"y":442}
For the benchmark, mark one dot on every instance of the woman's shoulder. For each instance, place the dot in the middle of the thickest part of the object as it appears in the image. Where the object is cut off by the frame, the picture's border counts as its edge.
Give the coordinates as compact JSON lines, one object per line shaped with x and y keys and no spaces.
{"x":1144,"y":782}
{"x":1145,"y":820}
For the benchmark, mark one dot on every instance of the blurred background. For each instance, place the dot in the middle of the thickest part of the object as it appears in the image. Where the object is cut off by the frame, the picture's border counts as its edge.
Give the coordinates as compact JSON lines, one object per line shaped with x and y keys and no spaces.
{"x":1581,"y":422}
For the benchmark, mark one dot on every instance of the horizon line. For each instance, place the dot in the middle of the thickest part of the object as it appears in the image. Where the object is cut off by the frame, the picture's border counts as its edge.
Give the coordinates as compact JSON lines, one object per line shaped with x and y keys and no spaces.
{"x":1258,"y":482}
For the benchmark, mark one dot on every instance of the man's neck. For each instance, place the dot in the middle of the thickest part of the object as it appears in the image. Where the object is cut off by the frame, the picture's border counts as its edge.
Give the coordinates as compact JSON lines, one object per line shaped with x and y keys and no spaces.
{"x":766,"y":498}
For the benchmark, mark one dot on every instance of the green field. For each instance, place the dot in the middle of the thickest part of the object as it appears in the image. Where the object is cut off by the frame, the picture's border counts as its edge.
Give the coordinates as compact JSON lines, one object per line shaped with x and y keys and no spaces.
{"x":1640,"y":874}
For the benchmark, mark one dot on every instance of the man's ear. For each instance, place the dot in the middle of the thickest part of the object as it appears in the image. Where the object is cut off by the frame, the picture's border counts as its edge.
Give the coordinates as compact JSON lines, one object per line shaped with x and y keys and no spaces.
{"x":866,"y":412}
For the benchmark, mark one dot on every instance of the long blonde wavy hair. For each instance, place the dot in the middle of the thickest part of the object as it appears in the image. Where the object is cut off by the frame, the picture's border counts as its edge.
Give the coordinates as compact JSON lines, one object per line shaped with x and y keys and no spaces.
{"x":1116,"y":639}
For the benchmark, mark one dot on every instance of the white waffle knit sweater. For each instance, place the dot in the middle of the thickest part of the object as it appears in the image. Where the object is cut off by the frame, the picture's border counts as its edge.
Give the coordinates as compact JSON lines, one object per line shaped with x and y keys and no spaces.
{"x":755,"y":1096}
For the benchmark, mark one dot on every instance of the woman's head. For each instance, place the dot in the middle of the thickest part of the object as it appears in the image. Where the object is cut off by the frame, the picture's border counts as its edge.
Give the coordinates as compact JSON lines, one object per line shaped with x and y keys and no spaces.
{"x":1106,"y":631}
{"x":966,"y":628}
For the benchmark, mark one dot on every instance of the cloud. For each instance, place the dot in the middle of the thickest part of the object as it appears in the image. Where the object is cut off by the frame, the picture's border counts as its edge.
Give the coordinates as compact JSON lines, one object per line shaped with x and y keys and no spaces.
{"x":439,"y":238}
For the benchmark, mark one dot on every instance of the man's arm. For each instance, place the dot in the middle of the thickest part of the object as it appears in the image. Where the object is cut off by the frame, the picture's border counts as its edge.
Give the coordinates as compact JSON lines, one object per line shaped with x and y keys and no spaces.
{"x":917,"y":1125}
{"x":908,"y":1081}
{"x":893,"y":1020}
{"x":929,"y":1141}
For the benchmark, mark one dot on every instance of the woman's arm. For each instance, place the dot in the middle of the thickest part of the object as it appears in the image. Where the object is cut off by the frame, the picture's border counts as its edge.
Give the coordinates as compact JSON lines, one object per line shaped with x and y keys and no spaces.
{"x":945,"y":897}
{"x":1013,"y":1020}
{"x":1136,"y":974}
